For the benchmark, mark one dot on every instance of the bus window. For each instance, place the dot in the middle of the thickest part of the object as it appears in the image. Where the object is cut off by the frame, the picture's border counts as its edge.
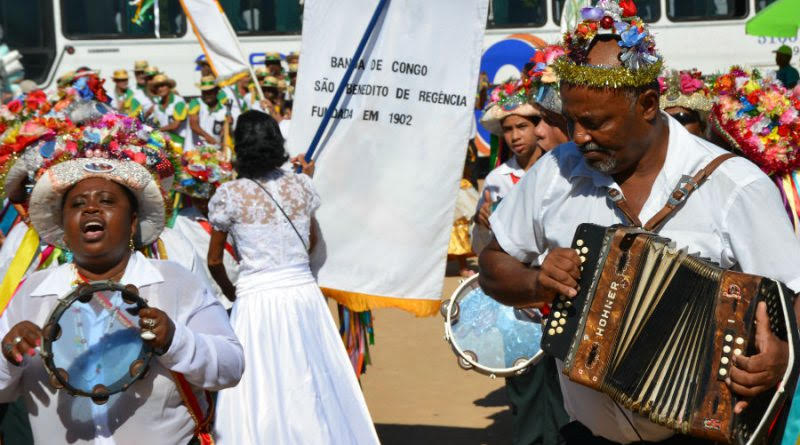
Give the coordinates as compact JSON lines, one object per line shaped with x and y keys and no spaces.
{"x":761,"y":4}
{"x":685,"y":10}
{"x":648,"y":10}
{"x":517,"y":13}
{"x":264,"y":16}
{"x":27,"y":26}
{"x":91,"y":19}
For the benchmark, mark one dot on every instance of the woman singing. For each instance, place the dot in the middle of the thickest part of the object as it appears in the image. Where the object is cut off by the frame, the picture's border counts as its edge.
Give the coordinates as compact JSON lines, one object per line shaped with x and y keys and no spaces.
{"x":101,"y":209}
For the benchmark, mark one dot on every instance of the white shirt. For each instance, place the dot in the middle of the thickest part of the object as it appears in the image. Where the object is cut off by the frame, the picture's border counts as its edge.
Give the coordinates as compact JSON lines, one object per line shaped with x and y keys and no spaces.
{"x":735,"y":217}
{"x":142,"y":96}
{"x":204,"y":349}
{"x":498,"y":182}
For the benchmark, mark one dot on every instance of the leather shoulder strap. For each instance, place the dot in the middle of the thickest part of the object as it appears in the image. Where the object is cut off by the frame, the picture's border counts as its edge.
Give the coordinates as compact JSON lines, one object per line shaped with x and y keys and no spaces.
{"x":682,"y":191}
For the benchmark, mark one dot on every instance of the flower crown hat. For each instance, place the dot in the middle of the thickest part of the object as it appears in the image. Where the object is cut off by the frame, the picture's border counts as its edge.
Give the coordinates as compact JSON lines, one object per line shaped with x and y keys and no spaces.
{"x":759,"y":118}
{"x":544,"y":81}
{"x":512,"y":97}
{"x":113,"y":146}
{"x":685,"y":89}
{"x":504,"y":100}
{"x":202,"y":170}
{"x":641,"y":63}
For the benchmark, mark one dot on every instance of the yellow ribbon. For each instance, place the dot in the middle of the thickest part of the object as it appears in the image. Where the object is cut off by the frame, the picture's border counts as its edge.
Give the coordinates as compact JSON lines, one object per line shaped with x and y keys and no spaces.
{"x":19,"y":265}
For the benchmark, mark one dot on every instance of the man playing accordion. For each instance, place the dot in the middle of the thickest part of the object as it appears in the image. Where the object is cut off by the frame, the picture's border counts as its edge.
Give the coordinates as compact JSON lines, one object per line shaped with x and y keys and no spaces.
{"x":621,"y":168}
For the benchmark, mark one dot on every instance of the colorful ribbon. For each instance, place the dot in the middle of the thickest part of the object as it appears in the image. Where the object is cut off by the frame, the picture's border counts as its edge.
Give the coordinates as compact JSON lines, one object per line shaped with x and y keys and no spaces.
{"x":26,"y":253}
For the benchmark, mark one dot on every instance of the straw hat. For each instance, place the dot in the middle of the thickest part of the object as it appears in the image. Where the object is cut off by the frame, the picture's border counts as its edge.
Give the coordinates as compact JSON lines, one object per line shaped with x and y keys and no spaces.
{"x":151,"y":70}
{"x":261,"y":72}
{"x":272,"y":57}
{"x":510,"y":98}
{"x":270,"y":82}
{"x":120,"y":75}
{"x":293,"y":68}
{"x":207,"y":83}
{"x":140,"y":65}
{"x":161,"y":79}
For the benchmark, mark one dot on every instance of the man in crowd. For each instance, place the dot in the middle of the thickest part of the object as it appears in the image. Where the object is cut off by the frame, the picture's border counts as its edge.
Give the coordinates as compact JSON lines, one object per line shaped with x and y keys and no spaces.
{"x":625,"y":161}
{"x":123,"y":98}
{"x":140,"y":68}
{"x":513,"y":118}
{"x":536,"y":402}
{"x":786,"y":74}
{"x":272,"y":61}
{"x":207,"y":115}
{"x":170,"y":111}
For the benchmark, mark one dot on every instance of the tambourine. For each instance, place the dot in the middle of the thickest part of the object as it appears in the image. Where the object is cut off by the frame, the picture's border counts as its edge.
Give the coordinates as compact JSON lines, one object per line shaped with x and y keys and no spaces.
{"x":488,"y":337}
{"x":92,"y":343}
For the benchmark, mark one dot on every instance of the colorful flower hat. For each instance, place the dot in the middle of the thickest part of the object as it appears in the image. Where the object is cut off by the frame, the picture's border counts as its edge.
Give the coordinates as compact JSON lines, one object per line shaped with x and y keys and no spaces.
{"x":544,"y":81}
{"x":641,"y":63}
{"x":116,"y":147}
{"x":24,"y":123}
{"x":203,"y":170}
{"x":685,"y":89}
{"x":505,"y":100}
{"x":759,"y":118}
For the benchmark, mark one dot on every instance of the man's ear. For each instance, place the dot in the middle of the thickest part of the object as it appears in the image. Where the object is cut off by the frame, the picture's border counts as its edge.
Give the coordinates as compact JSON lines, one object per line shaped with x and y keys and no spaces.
{"x":648,"y":104}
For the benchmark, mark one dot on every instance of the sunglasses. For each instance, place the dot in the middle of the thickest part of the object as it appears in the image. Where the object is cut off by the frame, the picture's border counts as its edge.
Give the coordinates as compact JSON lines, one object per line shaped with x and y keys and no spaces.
{"x":686,"y":118}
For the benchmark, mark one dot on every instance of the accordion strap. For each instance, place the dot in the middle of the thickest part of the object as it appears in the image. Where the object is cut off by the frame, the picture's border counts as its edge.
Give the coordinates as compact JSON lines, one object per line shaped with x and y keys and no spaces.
{"x":685,"y":187}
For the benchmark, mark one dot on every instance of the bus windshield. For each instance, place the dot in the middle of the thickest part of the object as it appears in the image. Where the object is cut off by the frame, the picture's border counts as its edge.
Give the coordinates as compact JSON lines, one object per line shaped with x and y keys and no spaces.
{"x":27,"y":26}
{"x":252,"y":17}
{"x":92,"y":19}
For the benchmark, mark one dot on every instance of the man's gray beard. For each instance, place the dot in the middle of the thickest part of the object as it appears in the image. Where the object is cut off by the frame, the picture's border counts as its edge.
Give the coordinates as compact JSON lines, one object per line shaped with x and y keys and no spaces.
{"x":606,"y":166}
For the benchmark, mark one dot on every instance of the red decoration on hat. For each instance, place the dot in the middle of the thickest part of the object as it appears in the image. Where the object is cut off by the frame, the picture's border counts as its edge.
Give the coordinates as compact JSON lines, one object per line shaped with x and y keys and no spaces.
{"x":628,"y":8}
{"x":606,"y":22}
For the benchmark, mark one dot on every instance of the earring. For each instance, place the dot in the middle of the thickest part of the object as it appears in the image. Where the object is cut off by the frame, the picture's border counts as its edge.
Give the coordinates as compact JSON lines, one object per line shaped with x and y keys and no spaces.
{"x":131,"y":245}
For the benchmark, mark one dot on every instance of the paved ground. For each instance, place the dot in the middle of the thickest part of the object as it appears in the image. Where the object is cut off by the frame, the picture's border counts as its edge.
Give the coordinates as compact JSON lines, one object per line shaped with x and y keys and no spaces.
{"x":416,"y":392}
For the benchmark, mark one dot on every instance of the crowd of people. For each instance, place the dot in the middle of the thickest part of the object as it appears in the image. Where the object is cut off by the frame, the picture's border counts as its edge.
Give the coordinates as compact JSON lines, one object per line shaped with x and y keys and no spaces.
{"x":139,"y":186}
{"x":105,"y":185}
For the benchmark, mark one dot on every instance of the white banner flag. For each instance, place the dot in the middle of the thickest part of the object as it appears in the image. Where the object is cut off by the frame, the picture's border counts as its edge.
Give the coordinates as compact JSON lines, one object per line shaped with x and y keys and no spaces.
{"x":217,"y":39}
{"x":390,"y":164}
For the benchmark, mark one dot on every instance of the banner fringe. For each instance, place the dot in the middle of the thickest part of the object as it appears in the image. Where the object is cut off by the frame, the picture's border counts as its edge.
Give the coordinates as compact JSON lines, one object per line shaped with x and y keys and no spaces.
{"x":364,"y":302}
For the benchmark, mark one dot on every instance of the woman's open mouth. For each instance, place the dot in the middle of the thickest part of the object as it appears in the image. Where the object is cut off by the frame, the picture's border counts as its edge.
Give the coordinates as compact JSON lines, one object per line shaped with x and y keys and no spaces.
{"x":93,"y":230}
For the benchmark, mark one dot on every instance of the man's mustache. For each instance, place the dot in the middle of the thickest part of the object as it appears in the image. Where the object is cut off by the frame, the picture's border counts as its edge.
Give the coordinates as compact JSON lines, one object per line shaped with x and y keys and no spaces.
{"x":592,"y":146}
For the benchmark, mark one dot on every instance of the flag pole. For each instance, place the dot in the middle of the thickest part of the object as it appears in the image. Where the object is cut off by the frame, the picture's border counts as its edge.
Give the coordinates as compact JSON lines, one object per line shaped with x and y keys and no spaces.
{"x":239,"y":46}
{"x":340,"y":89}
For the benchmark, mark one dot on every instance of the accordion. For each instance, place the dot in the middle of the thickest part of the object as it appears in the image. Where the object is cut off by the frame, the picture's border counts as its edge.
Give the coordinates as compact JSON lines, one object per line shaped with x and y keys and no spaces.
{"x":656,"y":330}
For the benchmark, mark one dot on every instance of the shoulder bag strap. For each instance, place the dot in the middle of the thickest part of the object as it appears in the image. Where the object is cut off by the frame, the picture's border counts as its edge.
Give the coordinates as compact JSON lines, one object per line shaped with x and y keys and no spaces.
{"x":284,"y":213}
{"x":685,"y":187}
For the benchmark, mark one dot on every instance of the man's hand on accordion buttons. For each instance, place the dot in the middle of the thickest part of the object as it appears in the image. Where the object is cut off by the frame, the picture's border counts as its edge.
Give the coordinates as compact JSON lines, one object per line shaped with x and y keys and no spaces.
{"x":558,"y":274}
{"x":753,"y":375}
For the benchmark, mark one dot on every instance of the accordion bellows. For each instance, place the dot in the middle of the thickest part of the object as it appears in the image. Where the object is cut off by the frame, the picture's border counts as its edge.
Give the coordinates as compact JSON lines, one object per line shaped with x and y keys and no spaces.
{"x":656,"y":329}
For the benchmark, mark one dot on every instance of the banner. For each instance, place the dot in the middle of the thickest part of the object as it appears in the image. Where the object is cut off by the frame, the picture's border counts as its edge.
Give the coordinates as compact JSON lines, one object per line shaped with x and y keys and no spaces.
{"x":217,"y":39}
{"x":390,"y":162}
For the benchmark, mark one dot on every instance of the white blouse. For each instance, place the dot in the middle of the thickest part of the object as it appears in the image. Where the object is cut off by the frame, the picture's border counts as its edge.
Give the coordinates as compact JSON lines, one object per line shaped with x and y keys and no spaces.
{"x":264,"y":237}
{"x":204,"y":349}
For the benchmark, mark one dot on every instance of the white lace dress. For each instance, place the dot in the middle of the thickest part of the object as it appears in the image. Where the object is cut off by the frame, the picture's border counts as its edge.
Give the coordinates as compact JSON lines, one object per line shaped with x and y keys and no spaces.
{"x":298,"y":386}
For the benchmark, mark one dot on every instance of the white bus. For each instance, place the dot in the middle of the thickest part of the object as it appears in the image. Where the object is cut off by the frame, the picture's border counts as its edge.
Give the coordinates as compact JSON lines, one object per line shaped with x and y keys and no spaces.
{"x":55,"y":36}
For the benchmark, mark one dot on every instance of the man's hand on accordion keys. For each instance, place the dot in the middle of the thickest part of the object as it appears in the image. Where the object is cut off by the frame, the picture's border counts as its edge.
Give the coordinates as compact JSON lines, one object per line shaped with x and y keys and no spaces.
{"x":753,"y":375}
{"x":558,"y":274}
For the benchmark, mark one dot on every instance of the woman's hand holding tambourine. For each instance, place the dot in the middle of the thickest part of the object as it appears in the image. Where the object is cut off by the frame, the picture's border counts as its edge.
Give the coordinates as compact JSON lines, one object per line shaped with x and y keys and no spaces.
{"x":21,"y":340}
{"x":157,"y":329}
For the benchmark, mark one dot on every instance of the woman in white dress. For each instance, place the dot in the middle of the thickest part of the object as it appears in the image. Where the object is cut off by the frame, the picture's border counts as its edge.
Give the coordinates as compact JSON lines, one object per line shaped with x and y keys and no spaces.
{"x":299,"y":387}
